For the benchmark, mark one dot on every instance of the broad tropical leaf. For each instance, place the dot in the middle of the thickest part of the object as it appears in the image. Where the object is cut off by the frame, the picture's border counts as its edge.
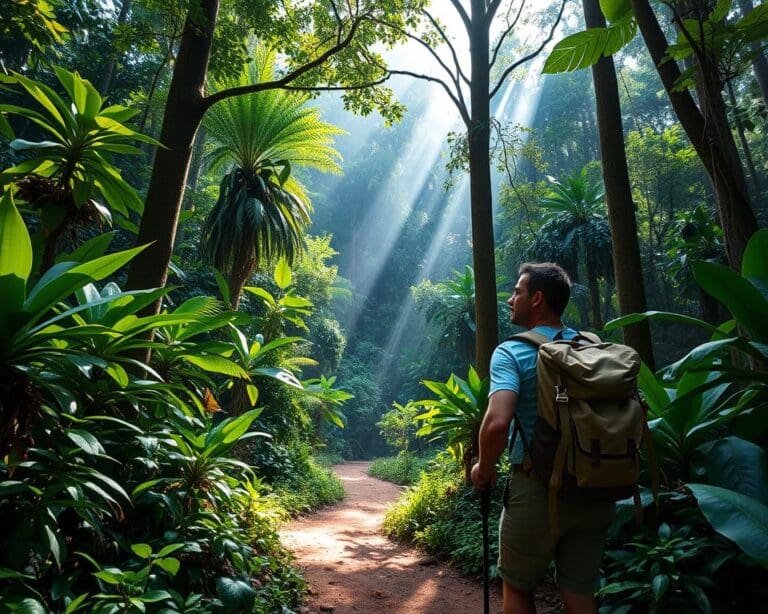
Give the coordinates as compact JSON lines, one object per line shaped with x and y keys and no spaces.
{"x":738,"y":517}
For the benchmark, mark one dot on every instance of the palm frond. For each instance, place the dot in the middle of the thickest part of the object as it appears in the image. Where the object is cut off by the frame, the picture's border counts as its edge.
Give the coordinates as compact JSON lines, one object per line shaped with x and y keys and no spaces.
{"x":259,"y":140}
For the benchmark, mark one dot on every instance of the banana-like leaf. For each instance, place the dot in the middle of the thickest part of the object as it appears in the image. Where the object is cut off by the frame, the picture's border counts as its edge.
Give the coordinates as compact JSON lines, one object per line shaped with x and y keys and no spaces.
{"x":634,"y":318}
{"x":741,"y":519}
{"x":737,"y":464}
{"x":216,"y":364}
{"x":740,"y":297}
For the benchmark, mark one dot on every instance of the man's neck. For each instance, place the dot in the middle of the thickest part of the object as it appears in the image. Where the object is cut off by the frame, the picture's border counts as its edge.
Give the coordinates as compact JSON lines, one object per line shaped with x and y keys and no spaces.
{"x":546,"y":320}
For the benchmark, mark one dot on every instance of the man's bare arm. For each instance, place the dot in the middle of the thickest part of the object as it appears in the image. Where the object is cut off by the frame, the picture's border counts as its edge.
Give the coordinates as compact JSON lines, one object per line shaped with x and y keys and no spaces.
{"x":493,"y":436}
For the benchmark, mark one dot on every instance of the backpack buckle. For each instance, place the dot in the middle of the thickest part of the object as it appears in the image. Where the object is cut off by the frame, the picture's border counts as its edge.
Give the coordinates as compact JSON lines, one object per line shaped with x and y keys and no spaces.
{"x":561,"y":396}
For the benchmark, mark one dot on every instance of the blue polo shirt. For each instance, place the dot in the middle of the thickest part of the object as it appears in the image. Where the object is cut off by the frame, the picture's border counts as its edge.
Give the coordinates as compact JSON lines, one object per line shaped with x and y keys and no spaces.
{"x":513,"y":367}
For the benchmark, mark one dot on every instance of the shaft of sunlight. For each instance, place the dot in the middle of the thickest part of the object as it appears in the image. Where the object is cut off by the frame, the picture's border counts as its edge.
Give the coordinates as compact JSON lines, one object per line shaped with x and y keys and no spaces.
{"x":448,"y":218}
{"x":413,"y":169}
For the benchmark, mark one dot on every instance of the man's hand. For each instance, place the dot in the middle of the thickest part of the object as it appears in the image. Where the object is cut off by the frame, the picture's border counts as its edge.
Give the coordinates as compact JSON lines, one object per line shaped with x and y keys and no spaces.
{"x":482,"y":479}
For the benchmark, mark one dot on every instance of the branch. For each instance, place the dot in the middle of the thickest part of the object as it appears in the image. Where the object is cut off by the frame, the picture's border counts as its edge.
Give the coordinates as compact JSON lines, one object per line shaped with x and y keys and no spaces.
{"x":699,"y":52}
{"x":531,"y":55}
{"x":459,"y":72}
{"x":463,"y":14}
{"x":490,"y":13}
{"x":457,"y":96}
{"x":433,"y":53}
{"x":211,"y":100}
{"x":497,"y":47}
{"x":461,"y":107}
{"x":335,"y":88}
{"x":339,"y":29}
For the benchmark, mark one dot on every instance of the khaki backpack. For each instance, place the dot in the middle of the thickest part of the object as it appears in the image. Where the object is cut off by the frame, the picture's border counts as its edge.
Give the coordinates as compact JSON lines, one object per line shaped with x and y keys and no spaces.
{"x":590,"y":420}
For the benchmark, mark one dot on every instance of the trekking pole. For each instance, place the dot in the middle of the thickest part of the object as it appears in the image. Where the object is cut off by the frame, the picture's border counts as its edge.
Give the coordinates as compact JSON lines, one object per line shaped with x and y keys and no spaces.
{"x":485,"y":510}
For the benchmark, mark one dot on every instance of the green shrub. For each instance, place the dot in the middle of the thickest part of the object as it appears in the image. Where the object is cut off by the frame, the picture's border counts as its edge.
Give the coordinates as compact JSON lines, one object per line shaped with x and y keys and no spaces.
{"x":328,"y":459}
{"x":403,"y":469}
{"x":310,"y":485}
{"x":441,"y":514}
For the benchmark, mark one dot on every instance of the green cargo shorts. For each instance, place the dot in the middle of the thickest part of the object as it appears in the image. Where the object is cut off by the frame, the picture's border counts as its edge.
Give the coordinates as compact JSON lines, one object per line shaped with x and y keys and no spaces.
{"x":526,"y":545}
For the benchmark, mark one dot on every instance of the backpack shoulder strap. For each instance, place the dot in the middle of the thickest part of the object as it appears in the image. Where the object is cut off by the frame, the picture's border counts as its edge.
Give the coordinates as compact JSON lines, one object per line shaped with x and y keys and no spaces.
{"x":535,"y":339}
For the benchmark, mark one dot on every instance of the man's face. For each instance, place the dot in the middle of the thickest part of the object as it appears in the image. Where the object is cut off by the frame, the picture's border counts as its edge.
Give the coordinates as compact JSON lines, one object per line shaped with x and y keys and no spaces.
{"x":520,"y":302}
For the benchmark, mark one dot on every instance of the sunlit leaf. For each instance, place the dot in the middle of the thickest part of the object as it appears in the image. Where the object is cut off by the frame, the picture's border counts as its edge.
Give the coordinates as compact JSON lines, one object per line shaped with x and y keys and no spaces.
{"x":15,"y":255}
{"x":282,"y":273}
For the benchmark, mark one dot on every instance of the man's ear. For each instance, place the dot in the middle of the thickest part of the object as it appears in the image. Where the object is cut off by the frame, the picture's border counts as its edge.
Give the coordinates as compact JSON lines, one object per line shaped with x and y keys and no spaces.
{"x":538,"y":298}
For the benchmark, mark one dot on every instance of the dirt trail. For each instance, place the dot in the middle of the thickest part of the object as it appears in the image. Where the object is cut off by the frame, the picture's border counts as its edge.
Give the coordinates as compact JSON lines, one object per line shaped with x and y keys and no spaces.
{"x":352,"y":567}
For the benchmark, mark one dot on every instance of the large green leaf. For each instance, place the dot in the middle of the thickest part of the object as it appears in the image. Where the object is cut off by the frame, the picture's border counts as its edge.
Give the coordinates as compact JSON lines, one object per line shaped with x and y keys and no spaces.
{"x":737,"y":464}
{"x":754,"y":265}
{"x":740,"y":297}
{"x":52,"y":289}
{"x":615,"y":9}
{"x":702,"y":355}
{"x":90,"y":250}
{"x":281,"y":375}
{"x":215,"y":364}
{"x":235,"y":595}
{"x":738,"y":517}
{"x":577,"y":51}
{"x":655,"y":394}
{"x":584,"y":49}
{"x":234,"y":429}
{"x":15,"y":256}
{"x":282,"y":273}
{"x":634,"y":318}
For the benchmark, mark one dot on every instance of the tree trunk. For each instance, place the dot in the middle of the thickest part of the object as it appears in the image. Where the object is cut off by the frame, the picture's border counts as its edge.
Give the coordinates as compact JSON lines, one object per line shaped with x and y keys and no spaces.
{"x":109,"y":69}
{"x":593,"y":284}
{"x":242,"y":267}
{"x":627,"y":264}
{"x":195,"y":170}
{"x":184,"y":111}
{"x":759,"y":63}
{"x":480,"y":193}
{"x":744,"y":143}
{"x":711,"y":139}
{"x":607,"y":301}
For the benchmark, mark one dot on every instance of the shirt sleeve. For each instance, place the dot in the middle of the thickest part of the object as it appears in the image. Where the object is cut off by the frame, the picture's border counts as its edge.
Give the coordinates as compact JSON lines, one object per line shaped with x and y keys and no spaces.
{"x":505,"y":371}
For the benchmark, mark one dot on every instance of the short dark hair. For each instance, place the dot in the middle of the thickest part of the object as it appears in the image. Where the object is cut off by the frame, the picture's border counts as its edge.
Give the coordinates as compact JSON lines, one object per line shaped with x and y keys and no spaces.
{"x":552,"y":280}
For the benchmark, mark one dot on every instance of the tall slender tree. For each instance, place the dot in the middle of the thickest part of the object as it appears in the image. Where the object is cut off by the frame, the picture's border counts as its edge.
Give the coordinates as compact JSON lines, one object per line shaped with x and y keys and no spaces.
{"x":706,"y":123}
{"x":472,"y":92}
{"x":618,"y":195}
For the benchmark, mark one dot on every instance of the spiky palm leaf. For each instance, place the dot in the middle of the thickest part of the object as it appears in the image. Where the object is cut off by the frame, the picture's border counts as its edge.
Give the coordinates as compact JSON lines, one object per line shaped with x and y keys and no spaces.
{"x":576,"y":227}
{"x":260,"y":138}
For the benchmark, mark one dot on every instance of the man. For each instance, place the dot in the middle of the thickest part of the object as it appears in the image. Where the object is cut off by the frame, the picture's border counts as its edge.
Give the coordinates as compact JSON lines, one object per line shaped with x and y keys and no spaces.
{"x":526,"y":545}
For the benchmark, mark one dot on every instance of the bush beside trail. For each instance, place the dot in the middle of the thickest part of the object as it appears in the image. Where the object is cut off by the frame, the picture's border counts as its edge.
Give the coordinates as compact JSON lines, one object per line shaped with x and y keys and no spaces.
{"x":403,"y":469}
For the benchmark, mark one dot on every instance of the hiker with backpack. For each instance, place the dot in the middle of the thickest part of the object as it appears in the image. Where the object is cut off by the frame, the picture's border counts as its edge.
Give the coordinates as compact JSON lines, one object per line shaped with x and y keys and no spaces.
{"x":578,"y":424}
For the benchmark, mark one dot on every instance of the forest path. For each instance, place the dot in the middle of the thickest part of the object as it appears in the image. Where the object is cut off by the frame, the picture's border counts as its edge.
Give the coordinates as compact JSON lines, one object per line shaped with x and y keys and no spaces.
{"x":352,"y":567}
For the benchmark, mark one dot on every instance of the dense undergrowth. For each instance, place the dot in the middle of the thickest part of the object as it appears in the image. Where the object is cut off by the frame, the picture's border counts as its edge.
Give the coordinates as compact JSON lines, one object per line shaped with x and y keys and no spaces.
{"x":403,"y":469}
{"x":440,"y":513}
{"x":147,"y":458}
